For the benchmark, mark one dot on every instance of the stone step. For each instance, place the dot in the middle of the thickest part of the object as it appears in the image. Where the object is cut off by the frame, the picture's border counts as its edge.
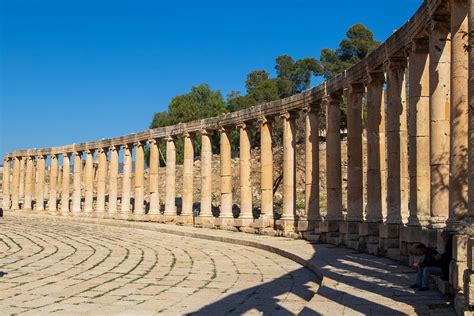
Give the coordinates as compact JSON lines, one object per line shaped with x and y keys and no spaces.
{"x":441,"y":285}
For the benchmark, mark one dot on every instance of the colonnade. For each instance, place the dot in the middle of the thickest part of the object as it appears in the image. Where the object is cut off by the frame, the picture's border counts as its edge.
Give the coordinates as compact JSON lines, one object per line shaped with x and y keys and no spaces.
{"x":416,"y":168}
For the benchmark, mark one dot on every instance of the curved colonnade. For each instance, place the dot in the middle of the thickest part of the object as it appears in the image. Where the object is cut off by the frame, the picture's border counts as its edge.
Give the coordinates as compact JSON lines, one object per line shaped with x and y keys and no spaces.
{"x":417,"y":86}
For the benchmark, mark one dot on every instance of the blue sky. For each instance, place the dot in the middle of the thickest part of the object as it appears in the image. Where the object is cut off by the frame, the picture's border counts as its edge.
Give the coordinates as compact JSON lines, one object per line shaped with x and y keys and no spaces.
{"x":81,"y":70}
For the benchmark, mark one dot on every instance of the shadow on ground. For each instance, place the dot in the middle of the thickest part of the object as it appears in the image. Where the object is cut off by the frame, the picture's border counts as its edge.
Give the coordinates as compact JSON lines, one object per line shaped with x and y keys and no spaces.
{"x":346,"y":276}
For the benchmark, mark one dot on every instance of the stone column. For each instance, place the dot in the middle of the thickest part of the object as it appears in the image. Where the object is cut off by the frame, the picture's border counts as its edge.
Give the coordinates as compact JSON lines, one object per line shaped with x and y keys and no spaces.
{"x":333,"y":158}
{"x":40,"y":167}
{"x":289,"y":175}
{"x":355,"y":185}
{"x":376,"y":184}
{"x":101,"y":181}
{"x":471,"y":111}
{"x":440,"y":48}
{"x":245,"y":172}
{"x":266,"y":172}
{"x":206,"y":175}
{"x":113,"y":185}
{"x":29,"y":176}
{"x":6,"y":184}
{"x":226,"y":175}
{"x":139,"y":210}
{"x":65,"y":184}
{"x":16,"y":184}
{"x":170,"y":203}
{"x":188,"y":166}
{"x":21,"y":190}
{"x":419,"y":133}
{"x":126,"y":181}
{"x":77,"y":194}
{"x":397,"y":149}
{"x":89,"y":182}
{"x":459,"y":113}
{"x":53,"y":190}
{"x":154,"y":179}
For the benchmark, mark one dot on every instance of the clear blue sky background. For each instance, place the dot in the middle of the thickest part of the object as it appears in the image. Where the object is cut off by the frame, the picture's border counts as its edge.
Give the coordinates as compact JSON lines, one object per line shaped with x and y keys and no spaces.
{"x":81,"y":70}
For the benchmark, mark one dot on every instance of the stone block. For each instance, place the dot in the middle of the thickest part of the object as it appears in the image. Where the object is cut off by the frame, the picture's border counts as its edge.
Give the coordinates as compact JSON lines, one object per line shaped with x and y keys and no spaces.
{"x":333,"y":240}
{"x":285,"y":225}
{"x":373,"y":249}
{"x":441,"y":285}
{"x":410,"y":234}
{"x":389,"y":230}
{"x":352,"y":244}
{"x":372,"y":240}
{"x":460,"y":305}
{"x":351,"y":237}
{"x":469,"y":287}
{"x":457,"y":270}
{"x":328,"y":226}
{"x":248,"y":222}
{"x":470,"y":254}
{"x":349,"y":227}
{"x":393,"y":253}
{"x":310,"y":236}
{"x":369,"y":229}
{"x":404,"y":248}
{"x":306,"y":225}
{"x":204,"y":221}
{"x":460,"y":244}
{"x":429,"y":237}
{"x":387,"y":243}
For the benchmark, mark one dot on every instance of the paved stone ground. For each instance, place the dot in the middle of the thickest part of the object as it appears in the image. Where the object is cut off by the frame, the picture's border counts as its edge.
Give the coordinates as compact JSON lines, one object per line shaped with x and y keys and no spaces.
{"x":62,"y":267}
{"x":128,"y":267}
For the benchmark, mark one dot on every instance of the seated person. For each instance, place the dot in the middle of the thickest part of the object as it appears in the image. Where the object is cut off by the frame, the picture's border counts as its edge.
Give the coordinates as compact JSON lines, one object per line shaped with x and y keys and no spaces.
{"x":430,"y":265}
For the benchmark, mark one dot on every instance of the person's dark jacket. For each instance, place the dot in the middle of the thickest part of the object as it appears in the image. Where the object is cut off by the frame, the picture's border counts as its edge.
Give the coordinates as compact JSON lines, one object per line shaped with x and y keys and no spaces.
{"x":430,"y":260}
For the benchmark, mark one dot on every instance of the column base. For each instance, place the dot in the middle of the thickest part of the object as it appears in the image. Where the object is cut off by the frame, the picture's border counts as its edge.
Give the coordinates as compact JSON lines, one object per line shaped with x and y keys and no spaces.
{"x":204,"y":221}
{"x":306,"y":225}
{"x":141,"y":217}
{"x":285,"y":225}
{"x":389,"y":240}
{"x":185,"y":220}
{"x":99,"y":214}
{"x":437,"y":222}
{"x":164,"y":218}
{"x":369,"y":237}
{"x":225,"y":223}
{"x":349,"y":234}
{"x":124,"y":217}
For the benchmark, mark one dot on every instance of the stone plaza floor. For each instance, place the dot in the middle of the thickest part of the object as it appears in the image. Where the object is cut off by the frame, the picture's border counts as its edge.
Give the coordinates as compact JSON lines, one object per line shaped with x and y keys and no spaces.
{"x":60,"y":266}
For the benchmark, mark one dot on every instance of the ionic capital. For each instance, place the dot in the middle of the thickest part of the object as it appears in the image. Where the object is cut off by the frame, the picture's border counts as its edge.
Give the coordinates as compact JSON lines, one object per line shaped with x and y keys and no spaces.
{"x":151,"y":141}
{"x":138,"y":144}
{"x":169,"y":138}
{"x":395,"y":63}
{"x":420,"y":45}
{"x":336,"y":97}
{"x":375,"y":77}
{"x":439,"y":23}
{"x":262,"y":120}
{"x":204,"y":132}
{"x":241,"y":125}
{"x":356,"y":88}
{"x":114,"y":147}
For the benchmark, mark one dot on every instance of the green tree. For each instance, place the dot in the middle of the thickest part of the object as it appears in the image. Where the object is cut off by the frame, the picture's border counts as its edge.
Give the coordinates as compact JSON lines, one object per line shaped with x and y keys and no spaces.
{"x":359,"y":42}
{"x":200,"y":103}
{"x":294,"y":77}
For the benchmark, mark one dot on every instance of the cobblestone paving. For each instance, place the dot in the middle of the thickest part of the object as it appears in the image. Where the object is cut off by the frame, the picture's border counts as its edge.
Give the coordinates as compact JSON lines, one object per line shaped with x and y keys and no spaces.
{"x":54,"y":266}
